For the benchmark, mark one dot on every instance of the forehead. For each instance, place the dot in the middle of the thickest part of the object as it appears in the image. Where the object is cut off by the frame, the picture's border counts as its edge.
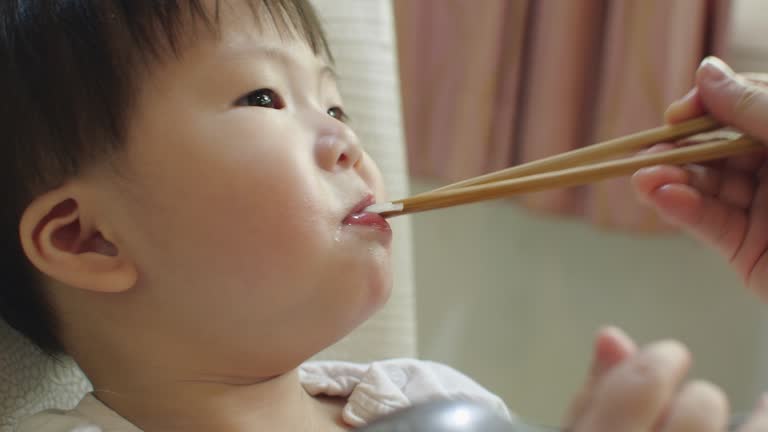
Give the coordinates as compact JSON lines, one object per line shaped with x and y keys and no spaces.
{"x":237,"y":23}
{"x":147,"y":33}
{"x":241,"y":29}
{"x":239,"y":39}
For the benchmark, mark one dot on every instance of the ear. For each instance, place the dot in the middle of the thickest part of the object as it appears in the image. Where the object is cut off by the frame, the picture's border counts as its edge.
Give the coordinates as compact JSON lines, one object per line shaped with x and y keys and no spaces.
{"x":69,"y":246}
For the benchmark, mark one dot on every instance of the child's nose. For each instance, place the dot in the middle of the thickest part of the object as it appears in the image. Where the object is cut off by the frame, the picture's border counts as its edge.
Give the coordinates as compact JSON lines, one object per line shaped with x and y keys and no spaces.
{"x":338,"y":149}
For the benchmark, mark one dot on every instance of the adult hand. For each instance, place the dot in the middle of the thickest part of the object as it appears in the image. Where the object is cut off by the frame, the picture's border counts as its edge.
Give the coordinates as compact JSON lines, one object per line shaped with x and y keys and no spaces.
{"x":725,"y":203}
{"x":641,"y":390}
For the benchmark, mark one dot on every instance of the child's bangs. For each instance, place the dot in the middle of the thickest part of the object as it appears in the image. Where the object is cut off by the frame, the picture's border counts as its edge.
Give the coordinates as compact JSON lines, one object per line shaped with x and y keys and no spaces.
{"x":146,"y":20}
{"x":293,"y":20}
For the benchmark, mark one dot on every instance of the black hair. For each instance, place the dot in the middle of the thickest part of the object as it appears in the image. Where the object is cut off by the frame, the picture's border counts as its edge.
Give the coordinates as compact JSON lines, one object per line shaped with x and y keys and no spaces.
{"x":68,"y":73}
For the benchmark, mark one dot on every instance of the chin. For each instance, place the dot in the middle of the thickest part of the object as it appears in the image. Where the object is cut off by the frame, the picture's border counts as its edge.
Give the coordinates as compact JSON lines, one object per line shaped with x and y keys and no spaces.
{"x":379,"y":283}
{"x":380,"y":289}
{"x":385,"y":289}
{"x":369,"y":278}
{"x":375,"y":293}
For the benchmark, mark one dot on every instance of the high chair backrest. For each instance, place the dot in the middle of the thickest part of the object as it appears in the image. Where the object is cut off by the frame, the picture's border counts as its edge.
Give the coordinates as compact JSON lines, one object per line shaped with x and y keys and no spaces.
{"x":361,"y":35}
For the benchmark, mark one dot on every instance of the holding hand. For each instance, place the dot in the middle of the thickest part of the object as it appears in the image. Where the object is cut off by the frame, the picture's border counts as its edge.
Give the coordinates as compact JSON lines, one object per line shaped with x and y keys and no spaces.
{"x":642,"y":390}
{"x":725,"y":203}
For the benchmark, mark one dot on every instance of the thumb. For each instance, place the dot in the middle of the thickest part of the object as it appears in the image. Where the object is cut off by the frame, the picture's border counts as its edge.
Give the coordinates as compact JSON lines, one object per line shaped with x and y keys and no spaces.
{"x":732,"y":99}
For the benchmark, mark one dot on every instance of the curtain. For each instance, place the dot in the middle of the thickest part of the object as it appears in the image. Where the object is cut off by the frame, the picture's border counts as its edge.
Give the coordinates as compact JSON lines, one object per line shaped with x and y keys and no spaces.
{"x":494,"y":83}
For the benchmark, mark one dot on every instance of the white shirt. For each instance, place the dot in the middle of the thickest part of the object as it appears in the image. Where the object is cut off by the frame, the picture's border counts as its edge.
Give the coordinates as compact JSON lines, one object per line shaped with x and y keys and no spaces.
{"x":372,"y":390}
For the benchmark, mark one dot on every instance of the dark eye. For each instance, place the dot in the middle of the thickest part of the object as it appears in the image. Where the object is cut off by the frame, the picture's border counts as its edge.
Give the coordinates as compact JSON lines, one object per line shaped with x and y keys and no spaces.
{"x":338,"y":113}
{"x":263,"y":98}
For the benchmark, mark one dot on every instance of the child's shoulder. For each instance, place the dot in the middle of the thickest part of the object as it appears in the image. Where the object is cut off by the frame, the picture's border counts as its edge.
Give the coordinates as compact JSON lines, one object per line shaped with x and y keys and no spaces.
{"x":381,"y":387}
{"x":371,"y":390}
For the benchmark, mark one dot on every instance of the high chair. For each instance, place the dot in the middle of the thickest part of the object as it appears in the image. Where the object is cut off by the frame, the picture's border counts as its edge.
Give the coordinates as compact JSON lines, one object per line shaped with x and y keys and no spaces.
{"x":31,"y":382}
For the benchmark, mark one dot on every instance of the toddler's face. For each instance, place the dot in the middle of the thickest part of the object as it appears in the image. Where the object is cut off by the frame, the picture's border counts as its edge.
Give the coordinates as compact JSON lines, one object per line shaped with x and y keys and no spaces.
{"x":235,"y":196}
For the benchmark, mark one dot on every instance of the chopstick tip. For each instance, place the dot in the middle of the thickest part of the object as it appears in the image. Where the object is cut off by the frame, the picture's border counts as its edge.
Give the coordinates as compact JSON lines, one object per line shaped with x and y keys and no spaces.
{"x":386,"y":207}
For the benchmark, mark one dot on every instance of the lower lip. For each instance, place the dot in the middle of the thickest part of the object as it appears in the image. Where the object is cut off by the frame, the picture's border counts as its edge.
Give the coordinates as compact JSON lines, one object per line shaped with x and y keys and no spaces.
{"x":371,"y":220}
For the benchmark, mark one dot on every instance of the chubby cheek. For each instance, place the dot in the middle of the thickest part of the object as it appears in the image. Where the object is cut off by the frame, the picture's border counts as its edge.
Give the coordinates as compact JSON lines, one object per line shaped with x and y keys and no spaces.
{"x":268,"y":233}
{"x":246,"y":222}
{"x":253,"y":233}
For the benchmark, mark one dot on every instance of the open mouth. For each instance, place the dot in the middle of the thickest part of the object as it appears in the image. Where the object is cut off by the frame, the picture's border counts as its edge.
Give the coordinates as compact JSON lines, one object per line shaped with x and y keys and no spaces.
{"x":359,"y":217}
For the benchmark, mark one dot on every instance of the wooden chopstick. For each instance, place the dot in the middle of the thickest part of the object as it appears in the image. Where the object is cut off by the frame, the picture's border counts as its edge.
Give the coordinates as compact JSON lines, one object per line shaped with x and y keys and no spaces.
{"x":595,"y":152}
{"x":570,"y":176}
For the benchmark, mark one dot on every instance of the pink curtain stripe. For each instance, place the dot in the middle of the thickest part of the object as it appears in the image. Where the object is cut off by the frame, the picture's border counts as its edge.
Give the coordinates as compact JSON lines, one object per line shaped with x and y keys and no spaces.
{"x":493,"y":83}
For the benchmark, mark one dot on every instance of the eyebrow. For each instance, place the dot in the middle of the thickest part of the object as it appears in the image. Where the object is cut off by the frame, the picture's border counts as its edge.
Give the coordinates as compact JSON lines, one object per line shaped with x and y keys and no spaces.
{"x":280,"y":54}
{"x":329,"y":70}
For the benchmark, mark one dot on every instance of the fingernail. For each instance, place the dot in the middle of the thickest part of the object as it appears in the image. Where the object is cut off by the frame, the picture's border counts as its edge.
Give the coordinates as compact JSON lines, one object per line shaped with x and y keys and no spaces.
{"x":714,"y":69}
{"x":688,"y":95}
{"x":683,"y":99}
{"x":613,"y":331}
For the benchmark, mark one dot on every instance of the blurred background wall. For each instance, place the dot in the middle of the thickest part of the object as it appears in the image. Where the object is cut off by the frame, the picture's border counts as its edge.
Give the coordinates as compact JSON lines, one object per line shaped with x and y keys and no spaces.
{"x":513,"y":296}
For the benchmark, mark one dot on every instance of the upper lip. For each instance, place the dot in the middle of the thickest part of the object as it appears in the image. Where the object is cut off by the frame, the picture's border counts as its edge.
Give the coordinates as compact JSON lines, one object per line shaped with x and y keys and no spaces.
{"x":367,"y":200}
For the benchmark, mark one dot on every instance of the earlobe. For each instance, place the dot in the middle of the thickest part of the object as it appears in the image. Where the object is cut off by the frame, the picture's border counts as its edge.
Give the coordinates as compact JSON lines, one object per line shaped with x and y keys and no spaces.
{"x":70,"y":247}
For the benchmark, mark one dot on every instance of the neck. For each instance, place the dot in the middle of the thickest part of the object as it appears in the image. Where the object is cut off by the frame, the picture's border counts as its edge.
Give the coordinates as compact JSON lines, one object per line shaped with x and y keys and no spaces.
{"x":166,"y":401}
